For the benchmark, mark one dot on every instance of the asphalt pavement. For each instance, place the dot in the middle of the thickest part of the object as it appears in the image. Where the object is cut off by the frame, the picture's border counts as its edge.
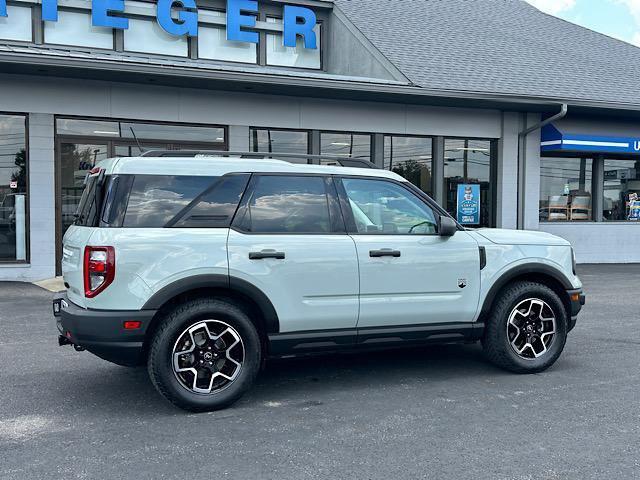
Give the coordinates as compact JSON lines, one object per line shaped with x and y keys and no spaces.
{"x":440,"y":412}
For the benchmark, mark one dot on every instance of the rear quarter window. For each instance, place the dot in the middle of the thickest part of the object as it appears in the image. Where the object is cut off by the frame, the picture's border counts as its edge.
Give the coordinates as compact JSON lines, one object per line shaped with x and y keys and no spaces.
{"x":155,"y":200}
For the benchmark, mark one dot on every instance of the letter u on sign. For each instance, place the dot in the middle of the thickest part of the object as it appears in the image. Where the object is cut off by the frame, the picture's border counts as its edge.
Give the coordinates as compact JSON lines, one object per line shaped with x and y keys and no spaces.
{"x":636,"y":146}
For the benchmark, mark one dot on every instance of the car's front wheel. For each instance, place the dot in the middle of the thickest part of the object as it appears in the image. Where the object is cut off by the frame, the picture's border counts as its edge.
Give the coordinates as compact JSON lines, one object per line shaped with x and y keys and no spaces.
{"x":527,"y":328}
{"x":204,"y":355}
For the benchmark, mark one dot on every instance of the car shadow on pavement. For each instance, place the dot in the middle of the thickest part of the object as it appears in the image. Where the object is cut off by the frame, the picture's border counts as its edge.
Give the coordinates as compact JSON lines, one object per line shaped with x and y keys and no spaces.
{"x":119,"y":390}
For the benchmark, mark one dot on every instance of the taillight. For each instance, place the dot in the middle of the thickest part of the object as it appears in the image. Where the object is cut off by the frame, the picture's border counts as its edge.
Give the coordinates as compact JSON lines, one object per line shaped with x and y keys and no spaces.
{"x":99,"y":269}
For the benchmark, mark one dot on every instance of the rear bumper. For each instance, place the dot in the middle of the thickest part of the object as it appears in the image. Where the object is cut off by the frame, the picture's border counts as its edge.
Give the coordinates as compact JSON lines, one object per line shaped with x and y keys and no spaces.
{"x":102,"y":332}
{"x":577,"y":299}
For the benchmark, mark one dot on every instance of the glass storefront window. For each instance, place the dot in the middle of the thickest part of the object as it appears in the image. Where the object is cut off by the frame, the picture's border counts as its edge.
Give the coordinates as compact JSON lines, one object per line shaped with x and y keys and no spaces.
{"x":469,"y":162}
{"x":621,"y":190}
{"x":349,"y":145}
{"x":75,"y":28}
{"x":146,"y":36}
{"x":13,"y":188}
{"x":298,"y":56}
{"x":17,"y":25}
{"x":164,"y":132}
{"x":565,"y":189}
{"x":284,"y":141}
{"x":411,"y":158}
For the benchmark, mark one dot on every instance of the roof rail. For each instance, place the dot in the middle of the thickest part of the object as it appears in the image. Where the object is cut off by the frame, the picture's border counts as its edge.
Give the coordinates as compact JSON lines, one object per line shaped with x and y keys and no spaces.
{"x":335,"y":159}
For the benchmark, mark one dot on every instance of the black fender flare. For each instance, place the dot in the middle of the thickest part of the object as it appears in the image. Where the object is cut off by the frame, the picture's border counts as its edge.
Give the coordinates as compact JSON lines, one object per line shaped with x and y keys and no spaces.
{"x":522,"y":270}
{"x":223,"y":282}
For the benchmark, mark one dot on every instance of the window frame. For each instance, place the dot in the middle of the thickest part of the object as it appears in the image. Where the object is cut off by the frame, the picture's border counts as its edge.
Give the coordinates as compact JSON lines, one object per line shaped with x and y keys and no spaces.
{"x":279,"y":129}
{"x":347,"y":212}
{"x":27,"y":219}
{"x":433,"y":157}
{"x":343,"y":132}
{"x":336,"y":217}
{"x":593,"y":186}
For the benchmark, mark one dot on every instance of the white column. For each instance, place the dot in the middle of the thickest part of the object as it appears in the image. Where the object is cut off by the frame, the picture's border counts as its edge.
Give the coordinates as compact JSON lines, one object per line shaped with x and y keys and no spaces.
{"x":42,"y":218}
{"x":507,"y":174}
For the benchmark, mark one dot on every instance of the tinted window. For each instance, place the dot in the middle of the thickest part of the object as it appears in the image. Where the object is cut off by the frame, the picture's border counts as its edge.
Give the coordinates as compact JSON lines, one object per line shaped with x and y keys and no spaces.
{"x":86,"y":212}
{"x":385,"y":208}
{"x":154,"y":200}
{"x":288,"y":204}
{"x":216,"y":206}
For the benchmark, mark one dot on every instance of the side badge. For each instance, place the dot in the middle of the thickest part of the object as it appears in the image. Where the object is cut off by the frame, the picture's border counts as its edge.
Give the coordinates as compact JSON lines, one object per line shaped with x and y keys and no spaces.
{"x":462,"y":282}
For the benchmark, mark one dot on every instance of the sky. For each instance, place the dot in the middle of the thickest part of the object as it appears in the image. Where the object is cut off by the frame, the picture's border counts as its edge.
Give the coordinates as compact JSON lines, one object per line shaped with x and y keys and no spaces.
{"x":616,"y":18}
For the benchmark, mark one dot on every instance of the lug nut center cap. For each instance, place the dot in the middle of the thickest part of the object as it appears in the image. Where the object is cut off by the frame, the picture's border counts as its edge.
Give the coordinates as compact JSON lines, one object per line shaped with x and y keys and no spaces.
{"x":208,"y":356}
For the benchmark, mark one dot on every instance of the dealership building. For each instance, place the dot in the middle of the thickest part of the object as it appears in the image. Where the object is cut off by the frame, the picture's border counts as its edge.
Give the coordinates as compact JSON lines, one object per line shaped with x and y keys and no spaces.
{"x":540,"y":115}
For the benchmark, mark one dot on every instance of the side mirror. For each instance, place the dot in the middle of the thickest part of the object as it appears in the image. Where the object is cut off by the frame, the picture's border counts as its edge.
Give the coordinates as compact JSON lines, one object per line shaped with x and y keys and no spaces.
{"x":447,"y":227}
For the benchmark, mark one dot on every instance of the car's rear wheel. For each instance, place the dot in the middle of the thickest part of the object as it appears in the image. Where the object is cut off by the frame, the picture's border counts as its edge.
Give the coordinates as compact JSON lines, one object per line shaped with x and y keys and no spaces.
{"x":527,"y":328}
{"x":204,"y":355}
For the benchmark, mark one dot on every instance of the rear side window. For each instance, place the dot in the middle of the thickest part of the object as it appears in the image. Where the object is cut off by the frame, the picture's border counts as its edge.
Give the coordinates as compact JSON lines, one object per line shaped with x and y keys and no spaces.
{"x":287,"y":204}
{"x":215,"y":207}
{"x":154,"y":200}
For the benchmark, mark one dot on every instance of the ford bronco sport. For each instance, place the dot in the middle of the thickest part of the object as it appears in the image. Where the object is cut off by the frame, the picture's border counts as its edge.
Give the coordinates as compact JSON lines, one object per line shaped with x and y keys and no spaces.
{"x":200,"y":268}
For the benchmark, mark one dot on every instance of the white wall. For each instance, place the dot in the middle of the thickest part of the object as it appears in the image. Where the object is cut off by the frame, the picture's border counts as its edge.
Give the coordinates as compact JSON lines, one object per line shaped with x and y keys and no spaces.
{"x":601,"y":242}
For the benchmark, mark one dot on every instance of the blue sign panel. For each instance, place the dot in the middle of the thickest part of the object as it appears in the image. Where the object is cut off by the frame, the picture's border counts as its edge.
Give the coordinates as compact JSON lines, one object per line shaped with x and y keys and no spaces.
{"x":469,"y":204}
{"x":242,"y":16}
{"x":554,"y":140}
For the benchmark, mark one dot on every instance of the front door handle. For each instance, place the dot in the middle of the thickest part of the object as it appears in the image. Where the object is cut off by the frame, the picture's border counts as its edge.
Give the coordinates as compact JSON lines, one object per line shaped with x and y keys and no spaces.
{"x":385,"y":252}
{"x":266,"y":254}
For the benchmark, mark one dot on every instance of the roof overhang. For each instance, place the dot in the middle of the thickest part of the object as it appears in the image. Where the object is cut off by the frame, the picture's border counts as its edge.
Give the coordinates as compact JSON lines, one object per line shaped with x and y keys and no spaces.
{"x":289,"y":83}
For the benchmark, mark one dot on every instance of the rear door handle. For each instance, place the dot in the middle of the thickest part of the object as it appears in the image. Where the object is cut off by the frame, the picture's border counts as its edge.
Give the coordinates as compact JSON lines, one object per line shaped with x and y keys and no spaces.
{"x":266,"y":254}
{"x":385,"y":252}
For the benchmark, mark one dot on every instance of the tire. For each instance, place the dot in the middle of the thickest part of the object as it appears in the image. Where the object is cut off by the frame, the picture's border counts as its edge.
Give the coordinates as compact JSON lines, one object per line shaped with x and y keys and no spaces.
{"x":182,"y":329}
{"x":500,"y":332}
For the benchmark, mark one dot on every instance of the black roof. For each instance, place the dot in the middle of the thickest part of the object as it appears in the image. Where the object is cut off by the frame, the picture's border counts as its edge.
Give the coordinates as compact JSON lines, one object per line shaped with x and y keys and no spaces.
{"x":504,"y":47}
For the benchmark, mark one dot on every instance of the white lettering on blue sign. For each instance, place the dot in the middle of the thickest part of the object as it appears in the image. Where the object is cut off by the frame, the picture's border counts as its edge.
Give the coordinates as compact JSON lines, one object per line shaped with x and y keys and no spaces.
{"x":636,"y":146}
{"x":241,"y":17}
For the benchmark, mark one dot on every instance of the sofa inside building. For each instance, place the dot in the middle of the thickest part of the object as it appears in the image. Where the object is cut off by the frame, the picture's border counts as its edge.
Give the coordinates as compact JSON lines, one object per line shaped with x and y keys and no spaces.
{"x":536,"y":116}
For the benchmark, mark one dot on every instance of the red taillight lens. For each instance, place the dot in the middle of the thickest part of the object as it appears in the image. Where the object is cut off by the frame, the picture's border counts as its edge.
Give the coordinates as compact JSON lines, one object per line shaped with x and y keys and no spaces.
{"x":99,"y":269}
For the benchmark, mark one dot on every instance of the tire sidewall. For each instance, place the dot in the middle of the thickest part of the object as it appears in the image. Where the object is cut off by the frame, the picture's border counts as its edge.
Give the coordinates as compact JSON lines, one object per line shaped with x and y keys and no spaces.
{"x":512,"y":299}
{"x":162,"y":352}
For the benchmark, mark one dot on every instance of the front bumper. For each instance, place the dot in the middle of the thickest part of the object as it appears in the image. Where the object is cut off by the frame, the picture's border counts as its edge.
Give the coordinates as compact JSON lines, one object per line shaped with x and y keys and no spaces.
{"x":102,"y":332}
{"x":577,"y":299}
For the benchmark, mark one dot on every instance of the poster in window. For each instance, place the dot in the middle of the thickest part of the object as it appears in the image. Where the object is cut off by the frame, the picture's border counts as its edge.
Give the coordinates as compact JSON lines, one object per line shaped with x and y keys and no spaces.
{"x":634,"y":207}
{"x":468,"y":204}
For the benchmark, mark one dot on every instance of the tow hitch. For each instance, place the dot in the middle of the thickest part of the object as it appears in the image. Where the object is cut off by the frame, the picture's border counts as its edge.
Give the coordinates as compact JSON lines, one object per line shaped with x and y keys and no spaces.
{"x":62,"y":341}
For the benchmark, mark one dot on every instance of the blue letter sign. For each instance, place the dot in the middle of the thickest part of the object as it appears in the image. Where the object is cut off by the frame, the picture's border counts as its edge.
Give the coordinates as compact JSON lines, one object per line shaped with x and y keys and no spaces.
{"x":101,"y":14}
{"x":292,"y":28}
{"x":3,"y":8}
{"x":50,"y":10}
{"x":187,"y":23}
{"x":469,"y":204}
{"x":236,"y":20}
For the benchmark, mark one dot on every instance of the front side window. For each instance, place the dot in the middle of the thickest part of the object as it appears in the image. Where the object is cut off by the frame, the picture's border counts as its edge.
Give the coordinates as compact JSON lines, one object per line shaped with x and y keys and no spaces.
{"x":565,"y":189}
{"x":384,"y":208}
{"x":621,"y":190}
{"x":287,"y":204}
{"x":13,"y":188}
